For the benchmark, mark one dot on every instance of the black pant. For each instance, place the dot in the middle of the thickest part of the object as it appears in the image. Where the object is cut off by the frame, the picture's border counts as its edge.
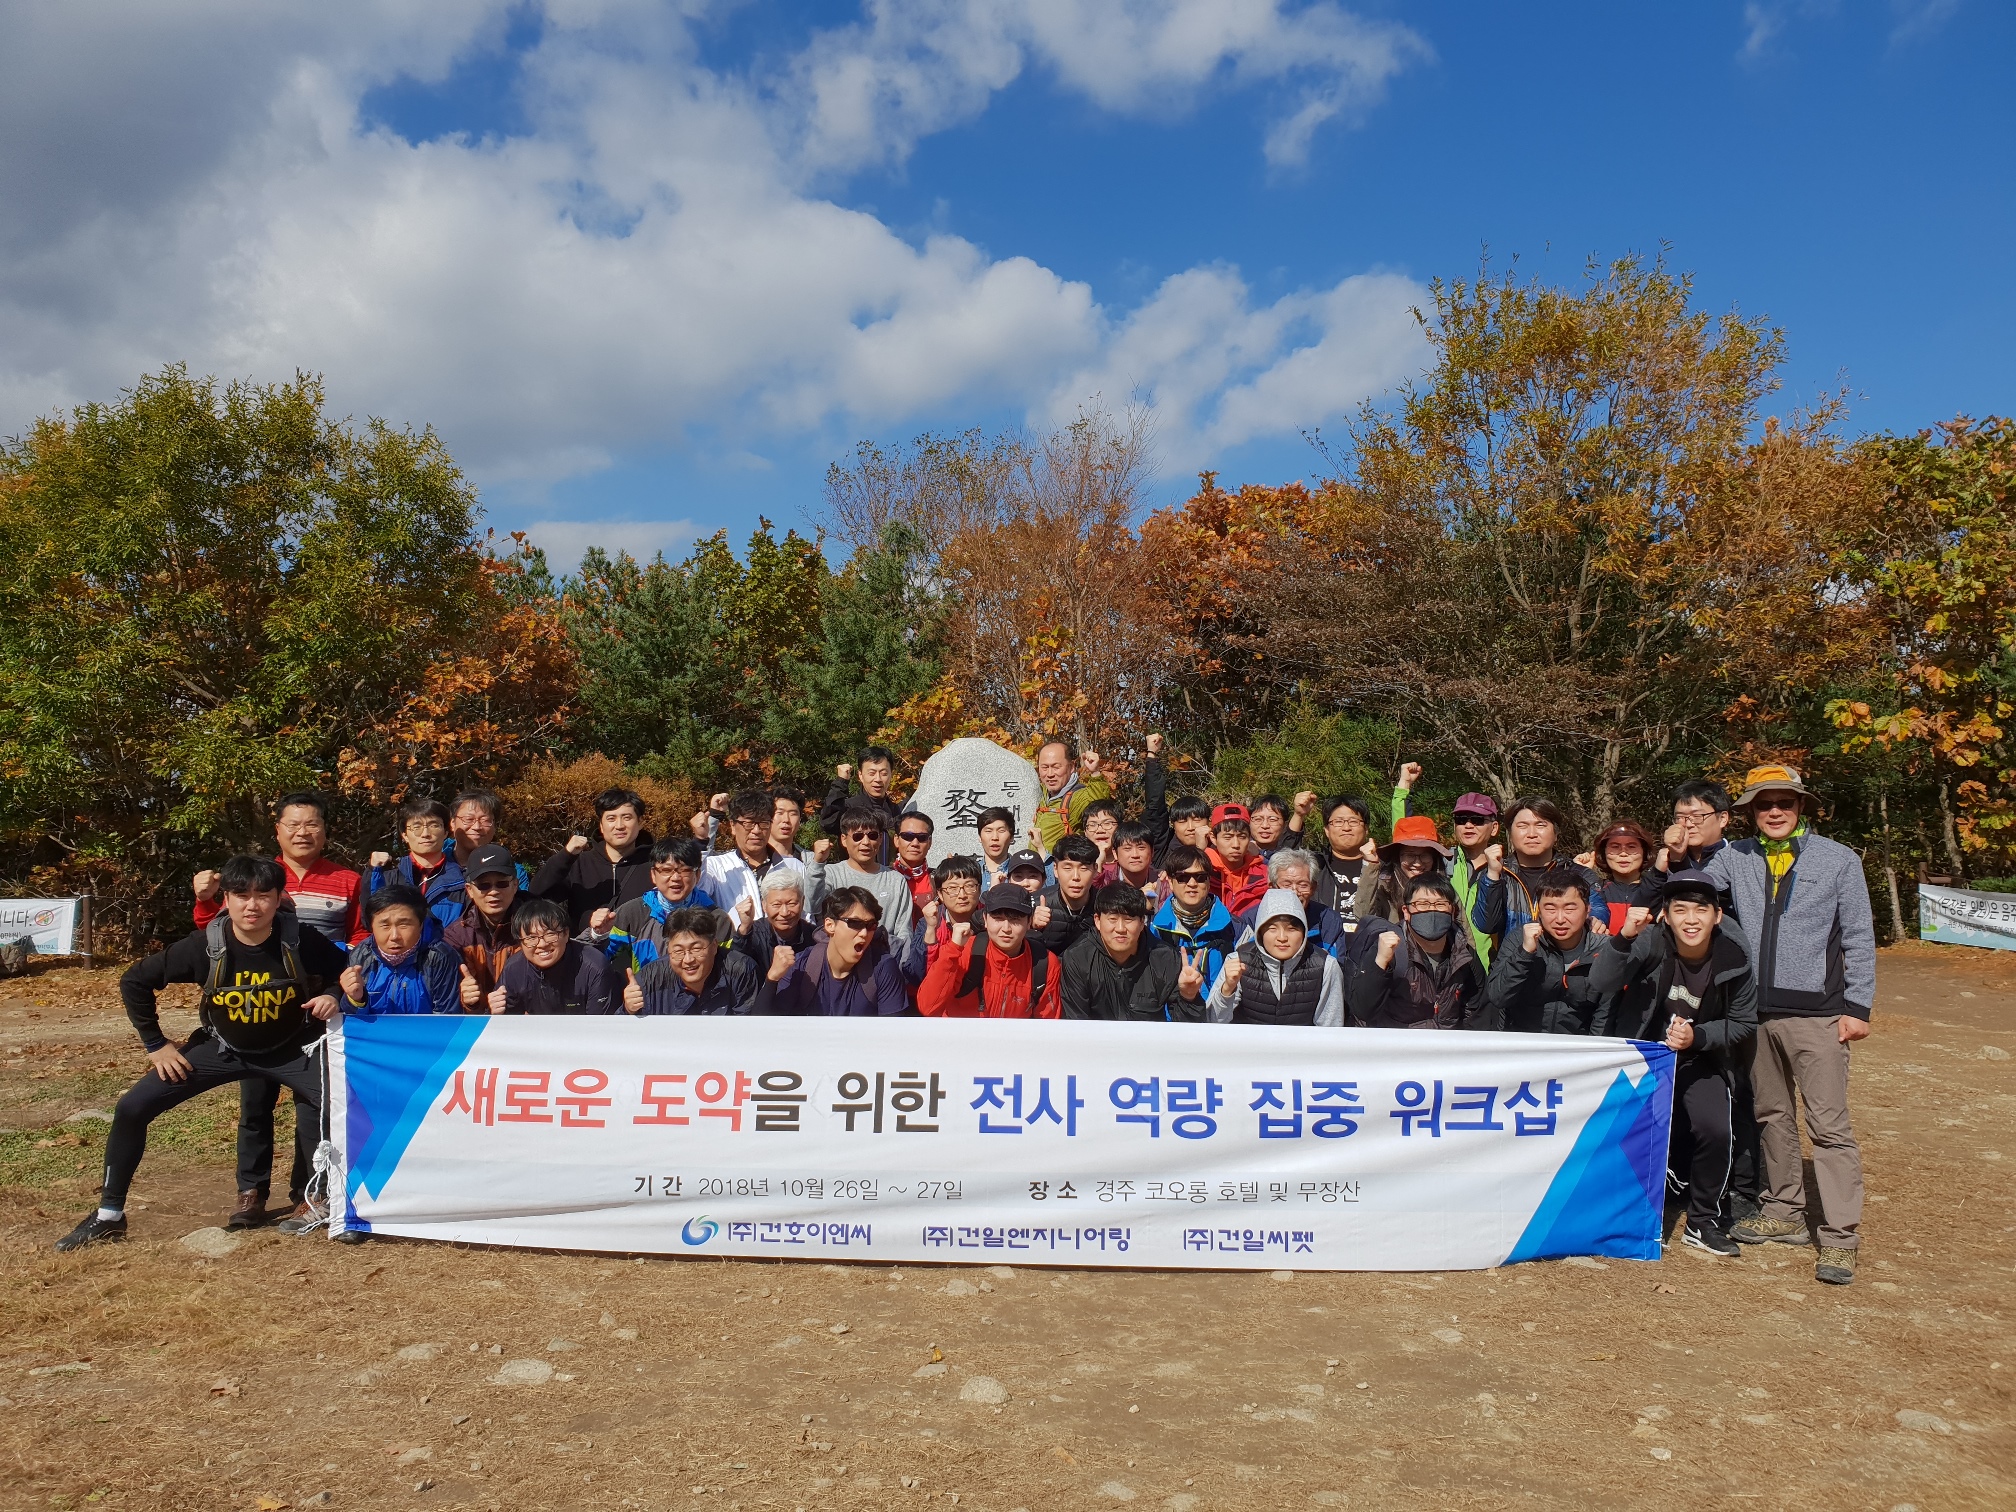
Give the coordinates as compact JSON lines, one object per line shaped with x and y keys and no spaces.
{"x":1746,"y":1170}
{"x":1698,"y":1155}
{"x":257,"y":1098}
{"x":211,"y":1064}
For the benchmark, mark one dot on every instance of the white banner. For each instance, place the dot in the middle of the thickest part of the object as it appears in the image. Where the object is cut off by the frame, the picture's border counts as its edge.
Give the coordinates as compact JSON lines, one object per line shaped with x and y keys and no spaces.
{"x":1960,"y":916}
{"x":50,"y":922}
{"x":987,"y":1140}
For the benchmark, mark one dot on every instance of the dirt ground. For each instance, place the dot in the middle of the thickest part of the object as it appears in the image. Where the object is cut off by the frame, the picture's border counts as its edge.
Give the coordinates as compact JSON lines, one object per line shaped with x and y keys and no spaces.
{"x":301,"y":1373}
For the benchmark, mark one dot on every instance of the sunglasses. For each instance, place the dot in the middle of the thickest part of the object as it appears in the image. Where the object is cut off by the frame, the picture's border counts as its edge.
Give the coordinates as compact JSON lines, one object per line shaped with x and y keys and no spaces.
{"x":1190,"y":876}
{"x":491,"y":883}
{"x":861,"y":926}
{"x":1766,"y":805}
{"x":863,"y":834}
{"x":916,"y":837}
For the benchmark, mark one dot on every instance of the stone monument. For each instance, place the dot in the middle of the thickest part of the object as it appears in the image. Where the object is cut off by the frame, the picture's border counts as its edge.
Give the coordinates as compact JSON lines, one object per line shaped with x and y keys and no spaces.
{"x":965,"y":778}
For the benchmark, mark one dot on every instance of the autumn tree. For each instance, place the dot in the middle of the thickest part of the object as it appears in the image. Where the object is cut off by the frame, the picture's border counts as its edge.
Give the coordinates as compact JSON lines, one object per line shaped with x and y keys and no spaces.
{"x":1507,"y":567}
{"x":1935,"y":567}
{"x":206,"y":594}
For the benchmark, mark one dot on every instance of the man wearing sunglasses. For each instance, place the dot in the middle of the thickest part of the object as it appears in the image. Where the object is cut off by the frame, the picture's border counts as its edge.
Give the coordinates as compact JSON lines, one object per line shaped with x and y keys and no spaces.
{"x":846,"y":972}
{"x":862,"y":830}
{"x":484,"y":934}
{"x":913,"y":853}
{"x":1802,"y":903}
{"x":1193,"y":919}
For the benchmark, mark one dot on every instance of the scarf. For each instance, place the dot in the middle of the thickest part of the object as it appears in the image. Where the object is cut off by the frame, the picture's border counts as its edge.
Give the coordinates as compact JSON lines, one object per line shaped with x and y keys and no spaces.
{"x":1780,"y":854}
{"x":1192,"y":922}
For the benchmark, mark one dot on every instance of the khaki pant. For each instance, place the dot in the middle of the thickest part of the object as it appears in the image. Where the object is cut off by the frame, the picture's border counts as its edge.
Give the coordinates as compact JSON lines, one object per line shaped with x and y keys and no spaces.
{"x":1806,"y":1054}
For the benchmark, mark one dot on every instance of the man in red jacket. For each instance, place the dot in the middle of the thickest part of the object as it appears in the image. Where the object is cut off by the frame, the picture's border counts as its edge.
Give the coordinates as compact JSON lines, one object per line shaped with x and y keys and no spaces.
{"x":1239,"y":866}
{"x":999,"y":973}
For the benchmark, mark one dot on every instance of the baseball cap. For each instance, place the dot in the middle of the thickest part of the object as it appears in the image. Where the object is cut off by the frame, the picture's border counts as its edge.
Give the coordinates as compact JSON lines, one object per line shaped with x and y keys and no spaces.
{"x":1481,"y":805}
{"x":1006,"y":897}
{"x":1021,"y":860}
{"x":1226,"y":811}
{"x":488,"y":860}
{"x":1691,"y":882}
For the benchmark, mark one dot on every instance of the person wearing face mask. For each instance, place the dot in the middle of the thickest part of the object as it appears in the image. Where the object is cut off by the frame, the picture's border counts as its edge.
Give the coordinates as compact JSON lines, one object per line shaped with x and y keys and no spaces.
{"x":1802,"y":905}
{"x":1420,"y":973}
{"x":397,"y":970}
{"x":1508,"y":895}
{"x":692,"y":974}
{"x":1416,"y":850}
{"x":1684,"y":978}
{"x":1280,"y":976}
{"x":1541,"y":981}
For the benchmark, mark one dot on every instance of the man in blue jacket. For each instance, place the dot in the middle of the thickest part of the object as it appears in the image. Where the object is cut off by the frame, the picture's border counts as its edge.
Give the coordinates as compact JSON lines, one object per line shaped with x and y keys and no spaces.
{"x":1803,"y":905}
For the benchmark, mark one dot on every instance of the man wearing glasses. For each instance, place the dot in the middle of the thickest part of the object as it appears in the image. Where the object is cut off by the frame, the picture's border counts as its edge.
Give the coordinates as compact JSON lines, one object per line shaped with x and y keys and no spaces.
{"x":861,"y":833}
{"x":1803,"y":905}
{"x":552,"y":973}
{"x":1700,"y":824}
{"x":735,"y":877}
{"x":484,"y":935}
{"x":846,"y":973}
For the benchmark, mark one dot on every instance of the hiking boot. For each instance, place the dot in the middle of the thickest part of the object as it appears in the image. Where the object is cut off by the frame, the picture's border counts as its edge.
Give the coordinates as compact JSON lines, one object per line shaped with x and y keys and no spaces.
{"x":248,"y":1212}
{"x":353,"y":1236}
{"x":93,"y":1230}
{"x":306,"y":1218}
{"x":1836,"y":1267}
{"x":1712,"y":1240}
{"x":1763,"y":1230}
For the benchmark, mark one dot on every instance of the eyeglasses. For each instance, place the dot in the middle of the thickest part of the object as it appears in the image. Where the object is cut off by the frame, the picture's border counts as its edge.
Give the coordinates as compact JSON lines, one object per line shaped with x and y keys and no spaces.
{"x":1190,"y":876}
{"x":491,"y":883}
{"x":860,"y":926}
{"x":749,"y":823}
{"x":542,"y":937}
{"x":674,"y":869}
{"x":1766,"y":803}
{"x":915,"y":837}
{"x":1693,"y":818}
{"x":690,"y":950}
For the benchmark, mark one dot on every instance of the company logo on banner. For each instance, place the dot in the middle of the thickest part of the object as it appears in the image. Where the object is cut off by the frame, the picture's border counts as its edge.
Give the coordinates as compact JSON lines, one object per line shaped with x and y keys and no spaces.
{"x":1081,"y":1143}
{"x":50,"y":922}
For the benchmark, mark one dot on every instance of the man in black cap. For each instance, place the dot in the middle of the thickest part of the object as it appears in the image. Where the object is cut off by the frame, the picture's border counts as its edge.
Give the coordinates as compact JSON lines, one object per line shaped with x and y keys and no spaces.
{"x":1685,"y":979}
{"x":998,"y":973}
{"x":483,"y":933}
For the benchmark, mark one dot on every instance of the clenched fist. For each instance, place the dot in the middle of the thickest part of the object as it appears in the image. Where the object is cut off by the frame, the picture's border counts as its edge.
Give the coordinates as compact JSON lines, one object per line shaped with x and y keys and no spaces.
{"x":576,"y":844}
{"x":207,"y":884}
{"x":1410,"y":773}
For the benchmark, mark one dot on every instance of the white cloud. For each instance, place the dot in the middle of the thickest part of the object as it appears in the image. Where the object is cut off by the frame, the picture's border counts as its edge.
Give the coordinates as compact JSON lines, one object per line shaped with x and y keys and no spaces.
{"x":1217,"y":370}
{"x":564,"y":541}
{"x":652,"y":257}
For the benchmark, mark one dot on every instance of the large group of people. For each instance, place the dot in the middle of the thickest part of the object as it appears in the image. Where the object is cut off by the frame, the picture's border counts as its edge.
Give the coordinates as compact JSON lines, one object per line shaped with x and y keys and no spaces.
{"x":1753,"y":959}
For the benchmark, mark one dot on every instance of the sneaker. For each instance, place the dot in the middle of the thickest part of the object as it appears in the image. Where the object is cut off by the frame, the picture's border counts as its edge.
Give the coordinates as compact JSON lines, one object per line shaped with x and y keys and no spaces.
{"x":306,"y":1218}
{"x":1743,"y":1207}
{"x":248,"y":1212}
{"x":1836,"y":1267}
{"x":1713,"y":1240}
{"x":93,"y":1230}
{"x":1763,"y":1230}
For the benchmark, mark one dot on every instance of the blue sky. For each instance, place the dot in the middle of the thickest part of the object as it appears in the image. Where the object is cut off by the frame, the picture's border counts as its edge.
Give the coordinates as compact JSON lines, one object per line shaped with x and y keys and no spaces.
{"x":651,"y":274}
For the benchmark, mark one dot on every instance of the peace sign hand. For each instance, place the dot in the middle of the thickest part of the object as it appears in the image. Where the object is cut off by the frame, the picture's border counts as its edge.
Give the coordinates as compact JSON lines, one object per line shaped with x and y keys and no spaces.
{"x":1190,"y":981}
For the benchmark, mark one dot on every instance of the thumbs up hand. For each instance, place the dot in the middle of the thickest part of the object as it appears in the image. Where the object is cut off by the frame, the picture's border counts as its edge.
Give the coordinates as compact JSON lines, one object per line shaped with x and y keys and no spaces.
{"x":633,"y":994}
{"x":472,"y":994}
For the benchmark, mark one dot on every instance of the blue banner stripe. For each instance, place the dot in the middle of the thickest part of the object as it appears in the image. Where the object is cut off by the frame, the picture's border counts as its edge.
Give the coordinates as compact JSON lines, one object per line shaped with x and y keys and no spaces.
{"x":395,"y":1066}
{"x":1607,"y":1198}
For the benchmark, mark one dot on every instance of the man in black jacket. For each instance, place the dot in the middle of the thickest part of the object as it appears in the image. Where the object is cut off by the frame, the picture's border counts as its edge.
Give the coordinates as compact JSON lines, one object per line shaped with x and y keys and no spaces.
{"x":1064,"y":909}
{"x":1687,"y":980}
{"x":877,"y":770}
{"x":1116,"y":971}
{"x":1540,"y":982}
{"x":267,"y":992}
{"x":595,"y":878}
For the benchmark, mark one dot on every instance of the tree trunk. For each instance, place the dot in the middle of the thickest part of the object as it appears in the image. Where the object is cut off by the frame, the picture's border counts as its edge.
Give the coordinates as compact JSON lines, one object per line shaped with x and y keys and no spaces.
{"x":1949,"y":834}
{"x":1890,"y":870}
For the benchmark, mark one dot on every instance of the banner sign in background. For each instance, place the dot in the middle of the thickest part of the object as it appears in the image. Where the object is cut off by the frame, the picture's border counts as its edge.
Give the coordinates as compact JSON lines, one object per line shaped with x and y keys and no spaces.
{"x":1956,"y":916}
{"x":50,"y":922}
{"x":1082,"y":1144}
